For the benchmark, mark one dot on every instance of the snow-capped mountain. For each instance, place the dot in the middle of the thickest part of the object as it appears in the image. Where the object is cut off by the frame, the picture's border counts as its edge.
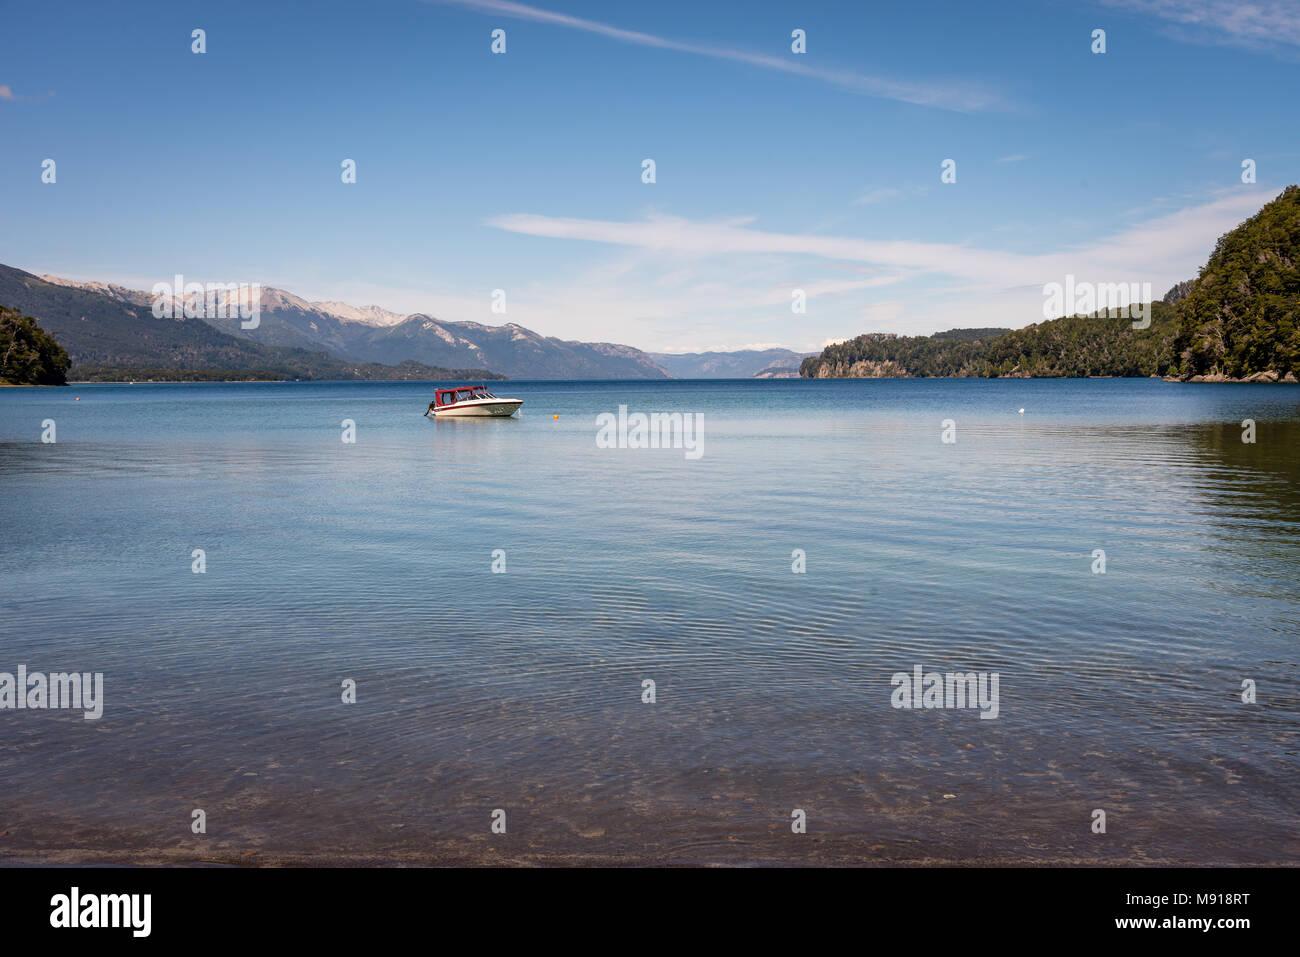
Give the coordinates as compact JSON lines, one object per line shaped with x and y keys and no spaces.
{"x":373,"y":334}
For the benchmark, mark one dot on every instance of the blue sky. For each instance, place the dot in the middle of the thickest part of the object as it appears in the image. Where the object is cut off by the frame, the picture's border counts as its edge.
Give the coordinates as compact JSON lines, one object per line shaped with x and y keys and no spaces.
{"x":775,"y":171}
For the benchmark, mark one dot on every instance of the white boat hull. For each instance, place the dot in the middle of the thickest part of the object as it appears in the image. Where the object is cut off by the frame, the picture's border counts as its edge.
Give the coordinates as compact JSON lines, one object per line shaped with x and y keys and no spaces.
{"x":498,"y":408}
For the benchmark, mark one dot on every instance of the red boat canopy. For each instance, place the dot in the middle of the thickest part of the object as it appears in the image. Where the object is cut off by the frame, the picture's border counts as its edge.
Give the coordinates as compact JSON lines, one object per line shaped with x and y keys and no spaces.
{"x":460,"y":394}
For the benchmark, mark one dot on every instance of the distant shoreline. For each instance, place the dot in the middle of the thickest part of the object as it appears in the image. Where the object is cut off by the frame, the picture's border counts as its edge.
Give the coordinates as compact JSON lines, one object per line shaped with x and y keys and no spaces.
{"x":1257,"y":379}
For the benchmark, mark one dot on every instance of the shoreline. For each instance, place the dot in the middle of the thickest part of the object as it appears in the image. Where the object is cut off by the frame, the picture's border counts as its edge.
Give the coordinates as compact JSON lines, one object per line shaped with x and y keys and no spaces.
{"x":1257,"y":379}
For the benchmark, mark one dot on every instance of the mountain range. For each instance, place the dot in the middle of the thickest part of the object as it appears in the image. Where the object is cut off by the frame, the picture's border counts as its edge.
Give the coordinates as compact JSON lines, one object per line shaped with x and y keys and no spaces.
{"x":110,"y":332}
{"x":109,"y":335}
{"x":743,"y":364}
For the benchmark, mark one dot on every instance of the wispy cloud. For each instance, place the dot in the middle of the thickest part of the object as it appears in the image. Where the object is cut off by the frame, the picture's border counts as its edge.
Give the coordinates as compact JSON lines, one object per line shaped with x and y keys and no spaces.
{"x":963,"y":97}
{"x":1014,"y":158}
{"x":872,"y":196}
{"x":669,"y":284}
{"x":679,"y":236}
{"x":1271,"y":25}
{"x":7,"y":93}
{"x":885,"y":194}
{"x":1153,"y":245}
{"x":882,"y":316}
{"x":722,"y":275}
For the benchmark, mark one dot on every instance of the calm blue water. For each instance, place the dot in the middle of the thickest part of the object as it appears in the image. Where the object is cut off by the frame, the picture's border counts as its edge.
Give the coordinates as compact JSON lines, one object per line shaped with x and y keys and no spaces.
{"x":522,"y":690}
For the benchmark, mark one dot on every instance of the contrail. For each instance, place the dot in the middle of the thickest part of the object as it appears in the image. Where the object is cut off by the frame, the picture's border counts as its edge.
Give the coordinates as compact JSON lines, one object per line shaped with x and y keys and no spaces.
{"x":964,"y":100}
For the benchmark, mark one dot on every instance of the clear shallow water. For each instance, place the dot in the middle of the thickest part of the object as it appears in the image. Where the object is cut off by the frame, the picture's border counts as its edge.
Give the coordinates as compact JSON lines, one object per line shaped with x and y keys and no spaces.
{"x":522,"y":690}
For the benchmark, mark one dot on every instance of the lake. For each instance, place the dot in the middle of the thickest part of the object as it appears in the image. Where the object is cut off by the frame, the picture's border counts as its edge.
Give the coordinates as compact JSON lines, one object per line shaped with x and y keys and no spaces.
{"x":500,"y":592}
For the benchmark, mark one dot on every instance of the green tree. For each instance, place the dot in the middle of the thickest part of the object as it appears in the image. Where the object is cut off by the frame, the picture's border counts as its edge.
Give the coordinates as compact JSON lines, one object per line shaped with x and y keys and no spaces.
{"x":28,"y":354}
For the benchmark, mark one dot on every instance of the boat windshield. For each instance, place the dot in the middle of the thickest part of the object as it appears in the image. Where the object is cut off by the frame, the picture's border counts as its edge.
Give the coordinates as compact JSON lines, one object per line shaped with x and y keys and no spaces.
{"x":451,"y":397}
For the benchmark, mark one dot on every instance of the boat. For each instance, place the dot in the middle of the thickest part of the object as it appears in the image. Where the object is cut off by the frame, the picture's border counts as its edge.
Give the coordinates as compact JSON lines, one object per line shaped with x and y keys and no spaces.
{"x":471,"y":400}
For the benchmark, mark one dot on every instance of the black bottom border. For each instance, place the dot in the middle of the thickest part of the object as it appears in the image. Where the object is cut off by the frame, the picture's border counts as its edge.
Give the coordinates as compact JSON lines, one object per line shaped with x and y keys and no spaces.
{"x":947,"y":907}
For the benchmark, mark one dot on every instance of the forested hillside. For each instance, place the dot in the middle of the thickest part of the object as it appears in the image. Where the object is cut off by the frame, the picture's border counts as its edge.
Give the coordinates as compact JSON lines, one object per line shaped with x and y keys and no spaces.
{"x":1242,"y":317}
{"x":1239,"y":319}
{"x":1097,"y":345}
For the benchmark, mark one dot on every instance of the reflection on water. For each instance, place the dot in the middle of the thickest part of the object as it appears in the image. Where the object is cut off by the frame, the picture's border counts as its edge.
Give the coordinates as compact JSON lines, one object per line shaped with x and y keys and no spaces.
{"x":523,"y":690}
